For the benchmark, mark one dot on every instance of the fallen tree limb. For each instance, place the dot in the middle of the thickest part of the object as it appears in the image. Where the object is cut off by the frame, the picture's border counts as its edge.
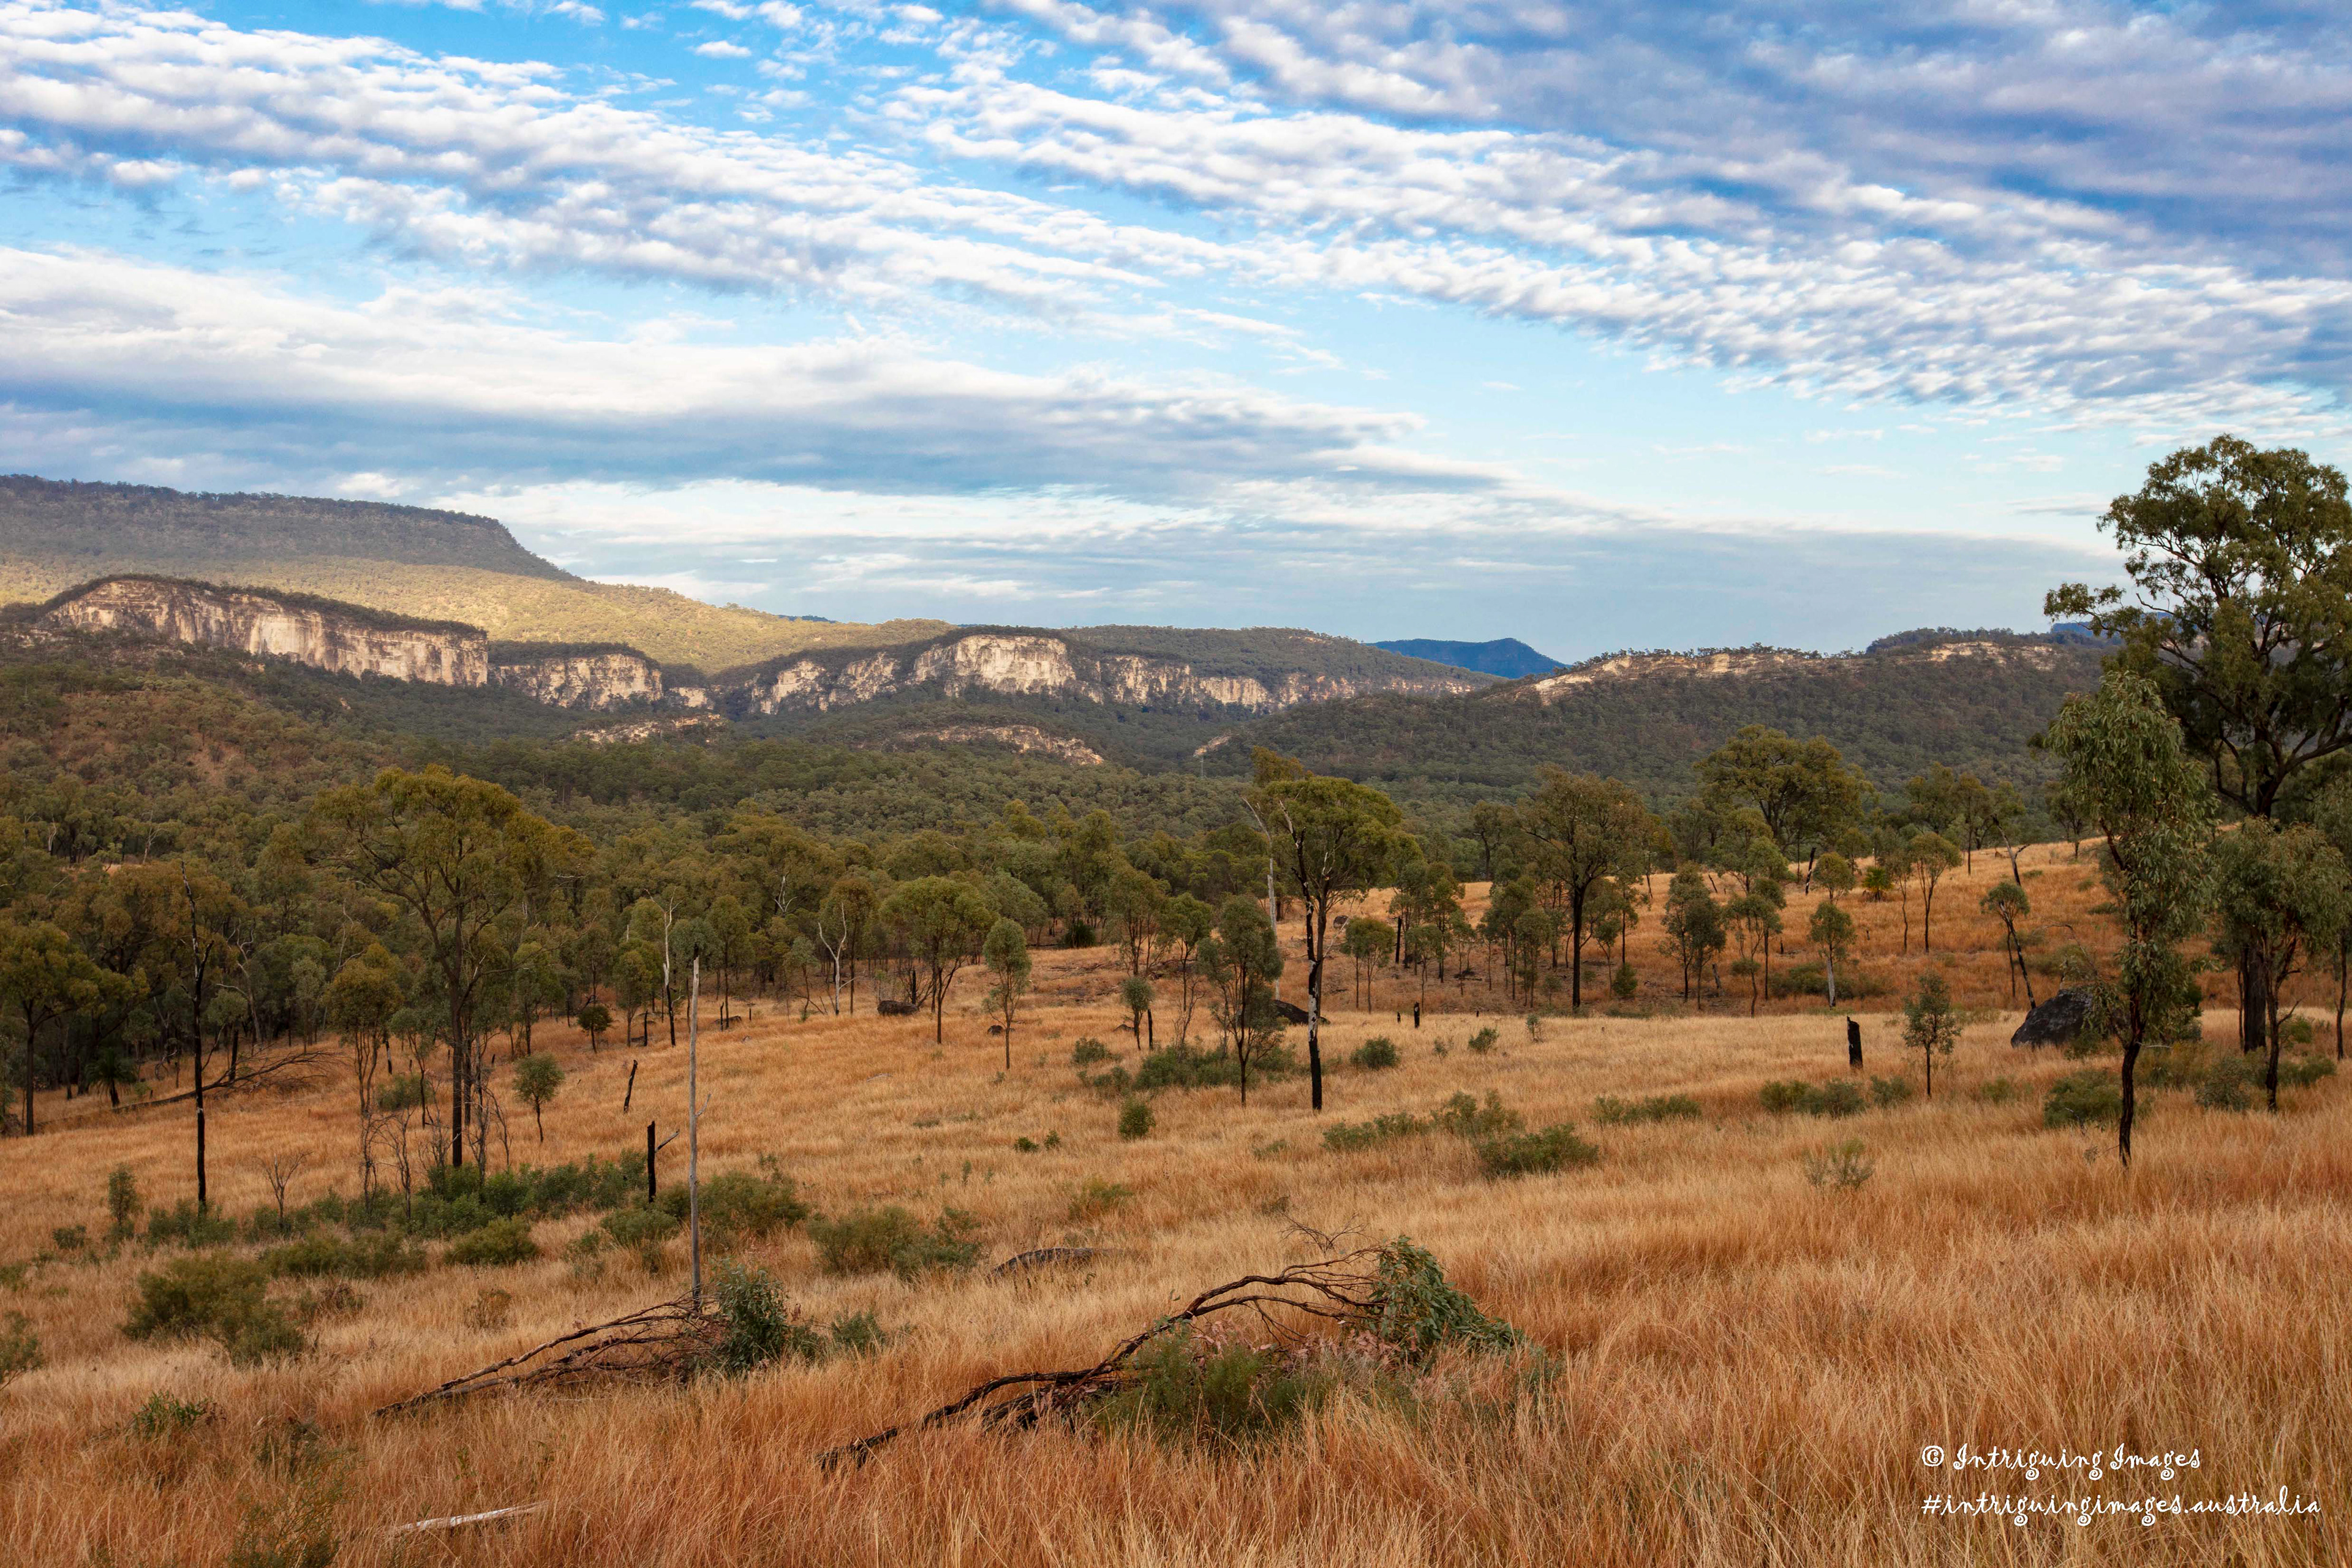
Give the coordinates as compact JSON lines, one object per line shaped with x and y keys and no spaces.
{"x":1344,"y":1289}
{"x":455,"y":1521}
{"x":659,"y":1341}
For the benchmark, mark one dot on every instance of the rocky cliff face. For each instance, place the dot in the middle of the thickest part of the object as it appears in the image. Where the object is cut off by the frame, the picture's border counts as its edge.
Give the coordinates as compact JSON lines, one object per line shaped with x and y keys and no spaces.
{"x":1032,"y":664}
{"x":352,"y":641}
{"x":327,"y":637}
{"x":598,"y":681}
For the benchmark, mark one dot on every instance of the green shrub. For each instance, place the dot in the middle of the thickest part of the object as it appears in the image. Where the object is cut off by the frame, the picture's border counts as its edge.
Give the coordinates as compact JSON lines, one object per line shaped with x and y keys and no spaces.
{"x":1839,"y":1165}
{"x":1466,"y":1117}
{"x":737,"y":1205}
{"x":1097,"y":1197}
{"x":1188,"y":1067}
{"x":1089,"y":1051}
{"x":216,"y":1297}
{"x":868,"y":1241}
{"x":123,"y":1202}
{"x":1612,"y":1112}
{"x":1419,"y":1311}
{"x":495,"y":1245}
{"x":1553,"y":1148}
{"x":1995,"y":1091}
{"x":185,"y":1224}
{"x":756,"y":1327}
{"x":1025,"y":1144}
{"x":1375,"y":1055}
{"x":359,"y":1258}
{"x":68,"y":1238}
{"x":165,"y":1416}
{"x":1190,"y":1390}
{"x":1346,"y":1137}
{"x":2226,"y":1085}
{"x":20,"y":1348}
{"x":1887,"y":1093}
{"x":1135,"y":1121}
{"x":1837,"y":1098}
{"x":2083,"y":1099}
{"x":1486,"y":1040}
{"x":403,"y":1091}
{"x":2302,"y":1072}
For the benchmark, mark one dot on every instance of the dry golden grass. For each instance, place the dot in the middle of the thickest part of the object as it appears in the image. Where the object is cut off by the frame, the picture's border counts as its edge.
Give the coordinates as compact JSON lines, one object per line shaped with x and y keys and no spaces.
{"x":1747,"y":1365}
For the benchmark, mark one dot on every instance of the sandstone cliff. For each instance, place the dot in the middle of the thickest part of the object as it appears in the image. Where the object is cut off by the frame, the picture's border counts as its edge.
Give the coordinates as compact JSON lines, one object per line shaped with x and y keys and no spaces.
{"x":318,"y":633}
{"x":1731,"y":663}
{"x":982,"y":662}
{"x":1042,"y":664}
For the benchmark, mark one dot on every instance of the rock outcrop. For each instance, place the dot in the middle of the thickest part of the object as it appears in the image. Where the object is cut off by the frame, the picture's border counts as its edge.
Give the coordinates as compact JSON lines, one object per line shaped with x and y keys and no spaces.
{"x":1732,"y":663}
{"x":319,"y":633}
{"x":606,"y":679}
{"x":1020,"y":737}
{"x":598,"y":679}
{"x":2056,"y":1022}
{"x":1039,"y":664}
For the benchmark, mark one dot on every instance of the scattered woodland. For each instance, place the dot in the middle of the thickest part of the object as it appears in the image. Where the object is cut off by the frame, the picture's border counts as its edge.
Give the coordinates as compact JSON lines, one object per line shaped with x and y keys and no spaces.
{"x":522,"y":1152}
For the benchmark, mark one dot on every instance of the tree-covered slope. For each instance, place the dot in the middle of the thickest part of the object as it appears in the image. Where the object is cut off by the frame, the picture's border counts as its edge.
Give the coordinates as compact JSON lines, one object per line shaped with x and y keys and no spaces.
{"x":1505,"y":656}
{"x":1973,"y":704}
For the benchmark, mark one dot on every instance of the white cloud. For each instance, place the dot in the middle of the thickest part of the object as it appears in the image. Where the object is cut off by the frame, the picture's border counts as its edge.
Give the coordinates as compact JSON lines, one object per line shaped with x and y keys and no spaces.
{"x":720,"y":49}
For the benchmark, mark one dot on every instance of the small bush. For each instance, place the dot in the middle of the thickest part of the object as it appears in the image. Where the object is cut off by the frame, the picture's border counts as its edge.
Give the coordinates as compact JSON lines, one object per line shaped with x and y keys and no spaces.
{"x":491,"y":1311}
{"x":360,"y":1258}
{"x":1838,"y":1097}
{"x":1995,"y":1091}
{"x":1024,"y":1145}
{"x":2302,"y":1072}
{"x":165,"y":1416}
{"x":1840,"y":1166}
{"x":1135,"y":1121}
{"x":1189,"y":1389}
{"x":1554,"y":1148}
{"x":2083,"y":1099}
{"x":1887,"y":1093}
{"x":122,"y":1201}
{"x":1346,"y":1137}
{"x":1089,"y":1051}
{"x":757,"y":1328}
{"x":1624,"y":985}
{"x":642,"y":1230}
{"x":68,"y":1238}
{"x":1376,"y":1054}
{"x":185,"y":1224}
{"x":737,"y":1205}
{"x":1486,"y":1040}
{"x":1610,"y":1111}
{"x":1466,"y":1117}
{"x":1098,"y":1198}
{"x":220,"y":1297}
{"x":869,"y":1241}
{"x":2226,"y":1085}
{"x":496,"y":1244}
{"x":403,"y":1091}
{"x":20,"y":1348}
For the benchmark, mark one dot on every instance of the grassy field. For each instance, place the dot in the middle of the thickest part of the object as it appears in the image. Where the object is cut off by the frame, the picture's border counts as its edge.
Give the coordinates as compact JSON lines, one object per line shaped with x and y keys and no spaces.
{"x":1737,"y":1364}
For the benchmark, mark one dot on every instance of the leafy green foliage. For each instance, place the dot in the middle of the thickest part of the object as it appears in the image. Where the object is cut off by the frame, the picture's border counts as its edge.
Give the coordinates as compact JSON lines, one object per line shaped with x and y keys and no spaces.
{"x":1841,"y":1166}
{"x":737,"y":1206}
{"x":214,"y":1296}
{"x":1610,"y":1111}
{"x":889,"y":1238}
{"x":20,"y":1348}
{"x":2082,"y":1100}
{"x":499,"y":1243}
{"x":1549,"y":1149}
{"x":1134,"y":1120}
{"x":1347,"y":1137}
{"x":1375,"y":1055}
{"x":1837,"y":1098}
{"x":375,"y":1256}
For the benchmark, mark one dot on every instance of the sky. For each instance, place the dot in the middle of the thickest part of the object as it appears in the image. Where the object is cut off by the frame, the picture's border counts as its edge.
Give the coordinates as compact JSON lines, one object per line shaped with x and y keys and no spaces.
{"x":1601,"y":325}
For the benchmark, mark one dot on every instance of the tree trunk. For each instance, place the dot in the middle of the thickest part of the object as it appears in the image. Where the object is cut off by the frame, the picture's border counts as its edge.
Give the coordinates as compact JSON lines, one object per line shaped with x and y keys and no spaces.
{"x":1318,"y":915}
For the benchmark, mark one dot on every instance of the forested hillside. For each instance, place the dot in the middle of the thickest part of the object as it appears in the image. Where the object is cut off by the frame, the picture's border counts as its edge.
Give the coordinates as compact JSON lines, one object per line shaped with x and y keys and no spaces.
{"x":1972,"y":700}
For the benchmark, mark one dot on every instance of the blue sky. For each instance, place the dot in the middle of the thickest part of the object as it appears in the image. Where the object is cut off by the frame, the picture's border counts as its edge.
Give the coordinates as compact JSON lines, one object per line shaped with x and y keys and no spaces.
{"x":1600,"y":325}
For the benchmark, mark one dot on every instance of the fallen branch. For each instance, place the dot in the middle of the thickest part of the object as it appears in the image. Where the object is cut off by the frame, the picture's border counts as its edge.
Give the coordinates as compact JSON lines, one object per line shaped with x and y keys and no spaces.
{"x":656,"y":1341}
{"x":454,"y":1521}
{"x":1342,"y":1289}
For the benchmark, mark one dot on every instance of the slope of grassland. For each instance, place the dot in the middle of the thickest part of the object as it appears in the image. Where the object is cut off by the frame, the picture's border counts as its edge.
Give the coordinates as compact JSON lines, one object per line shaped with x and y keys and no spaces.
{"x":1737,"y":1367}
{"x":410,"y":561}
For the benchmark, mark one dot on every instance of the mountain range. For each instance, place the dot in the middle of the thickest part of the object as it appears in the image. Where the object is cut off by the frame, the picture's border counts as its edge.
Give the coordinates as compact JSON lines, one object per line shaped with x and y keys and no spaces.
{"x":375,"y":593}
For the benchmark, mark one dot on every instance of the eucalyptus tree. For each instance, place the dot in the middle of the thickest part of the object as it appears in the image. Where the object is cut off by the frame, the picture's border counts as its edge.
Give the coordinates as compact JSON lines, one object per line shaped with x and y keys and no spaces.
{"x":1583,"y":832}
{"x":2280,"y":897}
{"x":1335,"y":839}
{"x":460,"y":858}
{"x":2127,"y":766}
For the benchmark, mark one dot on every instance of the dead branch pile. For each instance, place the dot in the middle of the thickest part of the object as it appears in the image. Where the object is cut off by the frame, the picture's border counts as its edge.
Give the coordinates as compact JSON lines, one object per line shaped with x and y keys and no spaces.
{"x":1347,"y":1290}
{"x":659,"y":1341}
